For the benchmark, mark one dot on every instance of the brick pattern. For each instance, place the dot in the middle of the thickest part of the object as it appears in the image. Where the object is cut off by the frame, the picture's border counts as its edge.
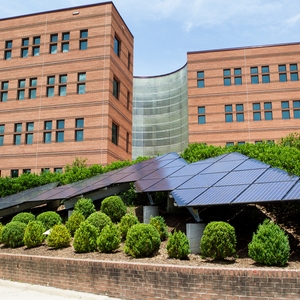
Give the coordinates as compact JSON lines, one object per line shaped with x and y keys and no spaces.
{"x":147,"y":281}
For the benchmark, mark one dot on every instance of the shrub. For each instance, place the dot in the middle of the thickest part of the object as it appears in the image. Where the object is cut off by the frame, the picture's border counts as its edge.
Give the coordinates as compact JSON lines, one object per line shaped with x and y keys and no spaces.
{"x":109,"y":239}
{"x":74,"y":221}
{"x":13,"y":234}
{"x":269,"y":245}
{"x":59,"y":237}
{"x":49,"y":219}
{"x":142,"y":240}
{"x":178,"y":245}
{"x":99,"y":220}
{"x":218,"y":240}
{"x":127,"y":221}
{"x":114,"y":207}
{"x":1,"y":228}
{"x":159,"y":223}
{"x":34,"y":234}
{"x":24,"y":217}
{"x":85,"y":239}
{"x":85,"y":206}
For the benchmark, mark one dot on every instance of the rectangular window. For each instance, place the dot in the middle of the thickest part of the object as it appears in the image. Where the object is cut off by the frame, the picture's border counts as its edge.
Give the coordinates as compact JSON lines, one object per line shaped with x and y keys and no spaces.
{"x":294,"y":72}
{"x":25,"y":42}
{"x":63,"y":78}
{"x":240,"y":117}
{"x":268,"y":115}
{"x":32,"y":89}
{"x":50,"y":88}
{"x":53,"y":48}
{"x":201,"y":115}
{"x":228,"y":108}
{"x":65,"y":36}
{"x":1,"y":140}
{"x":228,"y":115}
{"x":36,"y":40}
{"x":227,"y":81}
{"x":14,"y":173}
{"x":51,"y":80}
{"x":128,"y":61}
{"x":83,"y":42}
{"x":79,"y":123}
{"x":237,"y":76}
{"x":83,"y":45}
{"x":81,"y":85}
{"x":48,"y":125}
{"x":58,"y":170}
{"x":24,"y":52}
{"x":265,"y":74}
{"x":17,"y":139}
{"x":81,"y":76}
{"x":29,"y":138}
{"x":116,"y":88}
{"x":47,"y":137}
{"x":228,"y":118}
{"x":36,"y":51}
{"x":227,"y":78}
{"x":60,"y":124}
{"x":256,"y":116}
{"x":127,"y":142}
{"x":239,"y":107}
{"x":50,"y":91}
{"x":62,"y":90}
{"x":60,"y":136}
{"x":282,"y":73}
{"x":79,"y":135}
{"x":18,"y":127}
{"x":54,"y":38}
{"x":128,"y":100}
{"x":21,"y":94}
{"x":8,"y":44}
{"x":296,"y":104}
{"x":26,"y":171}
{"x":7,"y":54}
{"x":64,"y":47}
{"x":2,"y":128}
{"x":117,"y":45}
{"x":285,"y":112}
{"x":200,"y":79}
{"x":256,"y":106}
{"x":4,"y":92}
{"x":115,"y":133}
{"x":29,"y":126}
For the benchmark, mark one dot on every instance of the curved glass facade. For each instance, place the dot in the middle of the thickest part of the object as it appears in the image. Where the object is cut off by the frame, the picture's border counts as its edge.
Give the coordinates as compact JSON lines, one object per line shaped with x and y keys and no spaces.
{"x":160,"y":114}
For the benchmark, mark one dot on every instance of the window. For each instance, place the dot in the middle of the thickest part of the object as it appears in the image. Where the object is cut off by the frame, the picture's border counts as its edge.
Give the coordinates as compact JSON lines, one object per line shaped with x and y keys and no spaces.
{"x":79,"y":123}
{"x":36,"y":40}
{"x":228,"y":108}
{"x":47,"y":137}
{"x":62,"y":89}
{"x":36,"y":51}
{"x":1,"y":140}
{"x":228,"y":144}
{"x":63,"y":78}
{"x":7,"y":54}
{"x":81,"y":83}
{"x":58,"y":170}
{"x":294,"y":72}
{"x":83,"y":42}
{"x":53,"y":43}
{"x":268,"y":111}
{"x":296,"y":104}
{"x":65,"y":44}
{"x":256,"y":113}
{"x":54,"y":38}
{"x":239,"y":112}
{"x":24,"y":52}
{"x":115,"y":133}
{"x":201,"y":115}
{"x":79,"y":135}
{"x":228,"y":113}
{"x":17,"y":139}
{"x":25,"y":42}
{"x":8,"y":44}
{"x":254,"y":75}
{"x":238,"y":76}
{"x":228,"y":118}
{"x":7,"y":51}
{"x":53,"y":49}
{"x":14,"y":173}
{"x":200,"y":79}
{"x":282,"y":73}
{"x":29,"y":138}
{"x":60,"y":124}
{"x":50,"y":87}
{"x":227,"y":79}
{"x":116,"y":88}
{"x":64,"y":47}
{"x":18,"y":127}
{"x":29,"y":126}
{"x":4,"y":92}
{"x":60,"y":136}
{"x":285,"y":112}
{"x":65,"y":36}
{"x":2,"y":129}
{"x":32,"y":89}
{"x":48,"y":125}
{"x":265,"y":74}
{"x":26,"y":171}
{"x":117,"y":46}
{"x":45,"y":170}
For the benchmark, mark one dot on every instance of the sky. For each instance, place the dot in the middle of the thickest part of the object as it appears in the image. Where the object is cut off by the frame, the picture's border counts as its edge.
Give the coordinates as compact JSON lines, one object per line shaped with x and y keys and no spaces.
{"x":165,"y":30}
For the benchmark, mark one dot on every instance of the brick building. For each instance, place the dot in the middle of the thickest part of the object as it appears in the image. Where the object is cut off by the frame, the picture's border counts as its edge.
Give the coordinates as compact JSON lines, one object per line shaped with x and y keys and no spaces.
{"x":65,"y":89}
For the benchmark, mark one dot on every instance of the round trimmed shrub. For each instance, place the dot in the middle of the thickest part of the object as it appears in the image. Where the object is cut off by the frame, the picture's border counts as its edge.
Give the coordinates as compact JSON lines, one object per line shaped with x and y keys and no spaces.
{"x":13,"y":234}
{"x":114,"y":207}
{"x":127,"y":221}
{"x":178,"y":245}
{"x":85,"y":206}
{"x":159,"y":223}
{"x":142,"y":240}
{"x":24,"y":217}
{"x":109,"y":239}
{"x":34,"y":234}
{"x":49,"y":219}
{"x":99,"y":220}
{"x":59,"y":237}
{"x":74,"y":221}
{"x":85,"y":239}
{"x":218,"y":240}
{"x":270,"y":245}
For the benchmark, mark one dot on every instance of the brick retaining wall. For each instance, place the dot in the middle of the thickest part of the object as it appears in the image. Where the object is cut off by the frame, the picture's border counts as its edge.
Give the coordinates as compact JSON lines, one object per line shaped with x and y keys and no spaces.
{"x":149,"y":281}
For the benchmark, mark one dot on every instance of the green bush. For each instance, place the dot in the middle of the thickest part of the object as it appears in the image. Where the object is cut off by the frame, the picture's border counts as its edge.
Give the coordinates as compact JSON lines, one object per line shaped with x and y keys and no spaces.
{"x":127,"y":221}
{"x":59,"y":237}
{"x":34,"y":234}
{"x":49,"y":219}
{"x":142,"y":240}
{"x":109,"y":239}
{"x":74,"y":221}
{"x":269,"y":245}
{"x":178,"y":245}
{"x":85,"y":206}
{"x":13,"y":234}
{"x":218,"y":240}
{"x":159,"y":223}
{"x":99,"y":220}
{"x":114,"y":207}
{"x":1,"y":228}
{"x":24,"y":217}
{"x":85,"y":239}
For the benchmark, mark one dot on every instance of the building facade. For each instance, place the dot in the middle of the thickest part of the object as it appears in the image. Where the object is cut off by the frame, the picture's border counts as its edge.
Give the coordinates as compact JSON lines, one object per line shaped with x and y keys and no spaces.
{"x":66,"y":80}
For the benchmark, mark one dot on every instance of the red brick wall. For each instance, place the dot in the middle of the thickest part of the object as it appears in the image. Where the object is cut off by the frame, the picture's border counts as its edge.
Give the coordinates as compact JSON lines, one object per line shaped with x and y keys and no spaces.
{"x":147,"y":281}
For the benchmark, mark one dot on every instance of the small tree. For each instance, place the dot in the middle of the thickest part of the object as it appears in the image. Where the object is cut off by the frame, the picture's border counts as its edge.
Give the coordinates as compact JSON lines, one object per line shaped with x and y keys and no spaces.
{"x":74,"y":222}
{"x":178,"y":245}
{"x":269,"y":245}
{"x":159,"y":223}
{"x":218,"y":240}
{"x":13,"y":234}
{"x":59,"y":237}
{"x":24,"y":217}
{"x":114,"y":207}
{"x":127,"y":222}
{"x":49,"y":219}
{"x":99,"y":220}
{"x":85,"y":206}
{"x":109,"y":239}
{"x":34,"y":234}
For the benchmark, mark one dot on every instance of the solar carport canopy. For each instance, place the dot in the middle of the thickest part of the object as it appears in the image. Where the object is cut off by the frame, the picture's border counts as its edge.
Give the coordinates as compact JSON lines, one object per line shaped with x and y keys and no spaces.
{"x":231,"y":178}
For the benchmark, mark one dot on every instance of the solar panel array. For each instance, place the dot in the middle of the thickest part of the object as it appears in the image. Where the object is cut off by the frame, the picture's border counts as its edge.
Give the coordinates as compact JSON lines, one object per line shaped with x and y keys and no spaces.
{"x":231,"y":178}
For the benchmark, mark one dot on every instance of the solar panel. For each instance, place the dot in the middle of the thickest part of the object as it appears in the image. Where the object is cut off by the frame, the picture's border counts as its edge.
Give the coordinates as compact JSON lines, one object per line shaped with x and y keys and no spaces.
{"x":241,"y":177}
{"x":252,"y":164}
{"x":273,"y":174}
{"x":218,"y":195}
{"x":192,"y":169}
{"x":203,"y":180}
{"x":233,"y":156}
{"x":184,"y":196}
{"x":294,"y":193}
{"x":265,"y":192}
{"x":167,"y":184}
{"x":162,"y":173}
{"x":225,"y":166}
{"x":142,"y":185}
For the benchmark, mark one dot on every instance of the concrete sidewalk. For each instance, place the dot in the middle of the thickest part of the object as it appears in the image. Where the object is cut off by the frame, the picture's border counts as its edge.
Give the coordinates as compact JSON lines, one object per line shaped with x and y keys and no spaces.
{"x":16,"y":291}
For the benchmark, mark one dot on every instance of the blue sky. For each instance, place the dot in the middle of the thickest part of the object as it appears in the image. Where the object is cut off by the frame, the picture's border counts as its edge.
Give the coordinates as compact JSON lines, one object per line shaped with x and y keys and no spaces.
{"x":165,"y":30}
